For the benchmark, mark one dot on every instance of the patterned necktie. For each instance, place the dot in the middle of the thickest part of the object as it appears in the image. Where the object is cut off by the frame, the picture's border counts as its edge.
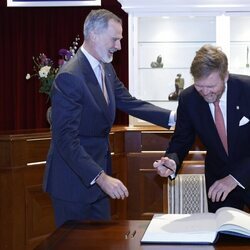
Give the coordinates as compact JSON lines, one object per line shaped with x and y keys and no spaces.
{"x":104,"y":89}
{"x":220,"y":125}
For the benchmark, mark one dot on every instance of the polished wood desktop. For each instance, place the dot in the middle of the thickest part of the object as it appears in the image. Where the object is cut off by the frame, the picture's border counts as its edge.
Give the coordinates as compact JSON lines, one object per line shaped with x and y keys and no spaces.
{"x":124,"y":235}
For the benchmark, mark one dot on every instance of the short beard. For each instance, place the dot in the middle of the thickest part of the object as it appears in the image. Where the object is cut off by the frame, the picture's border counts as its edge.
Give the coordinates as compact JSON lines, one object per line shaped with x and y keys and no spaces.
{"x":107,"y":60}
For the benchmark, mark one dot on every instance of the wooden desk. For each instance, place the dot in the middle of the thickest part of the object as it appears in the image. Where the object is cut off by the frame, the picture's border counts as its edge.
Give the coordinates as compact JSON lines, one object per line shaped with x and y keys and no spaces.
{"x":26,"y":213}
{"x":111,"y":235}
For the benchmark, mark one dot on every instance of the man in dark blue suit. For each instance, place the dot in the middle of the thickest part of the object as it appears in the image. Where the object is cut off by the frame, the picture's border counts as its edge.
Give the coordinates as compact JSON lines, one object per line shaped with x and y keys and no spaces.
{"x":84,"y":102}
{"x":227,"y":162}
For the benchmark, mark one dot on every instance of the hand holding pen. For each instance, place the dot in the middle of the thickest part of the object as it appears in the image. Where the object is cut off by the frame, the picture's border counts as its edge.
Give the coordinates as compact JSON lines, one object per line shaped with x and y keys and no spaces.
{"x":165,"y":167}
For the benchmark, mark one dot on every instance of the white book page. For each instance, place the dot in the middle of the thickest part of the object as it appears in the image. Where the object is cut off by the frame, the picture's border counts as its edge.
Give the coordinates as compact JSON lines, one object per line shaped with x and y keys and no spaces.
{"x":181,"y":228}
{"x":231,"y":219}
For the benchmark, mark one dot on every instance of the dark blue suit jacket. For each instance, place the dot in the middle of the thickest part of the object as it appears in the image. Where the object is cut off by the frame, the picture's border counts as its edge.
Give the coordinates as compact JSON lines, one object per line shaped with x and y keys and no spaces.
{"x":81,"y":122}
{"x":194,"y":118}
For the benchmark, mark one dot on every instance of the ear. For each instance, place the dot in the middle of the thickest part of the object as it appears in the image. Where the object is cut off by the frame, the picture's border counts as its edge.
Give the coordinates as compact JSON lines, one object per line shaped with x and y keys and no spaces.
{"x":93,"y":36}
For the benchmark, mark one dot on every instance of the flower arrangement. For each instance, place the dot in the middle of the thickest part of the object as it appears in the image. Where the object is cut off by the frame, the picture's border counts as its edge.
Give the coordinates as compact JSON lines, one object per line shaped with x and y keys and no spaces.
{"x":45,"y":69}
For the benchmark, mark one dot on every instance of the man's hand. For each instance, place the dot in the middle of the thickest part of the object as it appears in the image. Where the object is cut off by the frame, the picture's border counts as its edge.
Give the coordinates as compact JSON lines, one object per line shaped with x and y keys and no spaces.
{"x":221,"y":188}
{"x":165,"y":166}
{"x":112,"y":186}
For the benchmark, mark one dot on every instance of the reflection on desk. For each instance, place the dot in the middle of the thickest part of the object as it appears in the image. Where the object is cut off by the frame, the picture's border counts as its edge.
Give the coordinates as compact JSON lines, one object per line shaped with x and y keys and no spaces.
{"x":124,"y":235}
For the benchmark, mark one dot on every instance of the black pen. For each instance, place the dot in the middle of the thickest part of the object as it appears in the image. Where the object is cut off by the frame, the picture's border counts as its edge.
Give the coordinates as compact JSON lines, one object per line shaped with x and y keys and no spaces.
{"x":172,"y":176}
{"x":133,"y":234}
{"x":166,"y":166}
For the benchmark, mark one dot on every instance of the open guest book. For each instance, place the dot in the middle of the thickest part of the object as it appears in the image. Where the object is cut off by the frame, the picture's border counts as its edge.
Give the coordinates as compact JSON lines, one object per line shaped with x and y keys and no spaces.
{"x":200,"y":228}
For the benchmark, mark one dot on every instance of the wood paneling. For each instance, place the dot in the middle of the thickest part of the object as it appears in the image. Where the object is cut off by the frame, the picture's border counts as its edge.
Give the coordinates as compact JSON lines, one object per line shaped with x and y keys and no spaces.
{"x":119,"y":170}
{"x":147,"y":189}
{"x":26,"y":214}
{"x":145,"y":186}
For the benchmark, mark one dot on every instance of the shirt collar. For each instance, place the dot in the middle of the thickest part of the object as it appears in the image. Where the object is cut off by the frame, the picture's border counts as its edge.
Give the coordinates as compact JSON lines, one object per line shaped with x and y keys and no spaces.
{"x":223,"y":98}
{"x":93,"y":62}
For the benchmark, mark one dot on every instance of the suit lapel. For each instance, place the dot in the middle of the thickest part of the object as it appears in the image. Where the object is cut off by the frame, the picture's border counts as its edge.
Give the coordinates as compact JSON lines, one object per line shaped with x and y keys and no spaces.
{"x":110,"y":91}
{"x":94,"y":87}
{"x":233,"y":113}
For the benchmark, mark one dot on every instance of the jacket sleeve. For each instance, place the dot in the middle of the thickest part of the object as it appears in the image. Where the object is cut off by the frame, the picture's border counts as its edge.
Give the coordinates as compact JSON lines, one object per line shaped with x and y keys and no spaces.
{"x":138,"y":108}
{"x":184,"y":135}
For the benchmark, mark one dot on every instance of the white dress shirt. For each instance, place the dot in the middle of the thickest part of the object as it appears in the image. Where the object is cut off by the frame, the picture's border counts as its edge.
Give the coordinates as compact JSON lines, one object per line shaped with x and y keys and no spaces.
{"x":94,"y":65}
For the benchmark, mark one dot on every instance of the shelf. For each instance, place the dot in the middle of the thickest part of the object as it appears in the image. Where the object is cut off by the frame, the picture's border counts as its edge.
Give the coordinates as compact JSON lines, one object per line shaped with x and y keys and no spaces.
{"x":172,"y":41}
{"x":175,"y":42}
{"x":164,"y":68}
{"x":240,"y":42}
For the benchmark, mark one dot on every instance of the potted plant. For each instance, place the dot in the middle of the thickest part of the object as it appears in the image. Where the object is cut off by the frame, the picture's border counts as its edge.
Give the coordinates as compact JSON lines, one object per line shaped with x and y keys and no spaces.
{"x":45,"y":70}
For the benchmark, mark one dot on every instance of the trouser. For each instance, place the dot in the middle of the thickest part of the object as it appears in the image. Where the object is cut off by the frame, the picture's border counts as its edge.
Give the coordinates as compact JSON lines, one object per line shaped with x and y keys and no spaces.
{"x":79,"y":211}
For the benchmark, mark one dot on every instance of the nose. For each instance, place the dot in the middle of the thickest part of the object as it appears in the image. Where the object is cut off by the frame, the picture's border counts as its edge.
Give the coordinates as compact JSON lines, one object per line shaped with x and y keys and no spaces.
{"x":205,"y":91}
{"x":118,"y":45}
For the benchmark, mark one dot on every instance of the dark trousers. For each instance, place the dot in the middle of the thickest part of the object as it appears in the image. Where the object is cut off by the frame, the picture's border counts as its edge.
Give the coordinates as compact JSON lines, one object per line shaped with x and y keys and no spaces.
{"x":66,"y":210}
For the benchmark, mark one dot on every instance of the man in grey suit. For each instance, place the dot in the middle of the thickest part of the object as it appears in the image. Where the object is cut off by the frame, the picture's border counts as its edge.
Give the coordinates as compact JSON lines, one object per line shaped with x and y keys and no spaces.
{"x":78,"y":168}
{"x":227,"y":162}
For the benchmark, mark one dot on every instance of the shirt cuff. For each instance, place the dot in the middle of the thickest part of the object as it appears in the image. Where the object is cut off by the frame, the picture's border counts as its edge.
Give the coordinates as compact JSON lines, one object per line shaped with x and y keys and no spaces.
{"x":172,"y":119}
{"x":238,"y":182}
{"x":95,"y":179}
{"x":172,"y":176}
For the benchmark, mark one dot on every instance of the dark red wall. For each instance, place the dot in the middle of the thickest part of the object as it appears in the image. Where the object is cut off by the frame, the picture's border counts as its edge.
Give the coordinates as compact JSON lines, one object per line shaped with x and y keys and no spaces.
{"x":24,"y":33}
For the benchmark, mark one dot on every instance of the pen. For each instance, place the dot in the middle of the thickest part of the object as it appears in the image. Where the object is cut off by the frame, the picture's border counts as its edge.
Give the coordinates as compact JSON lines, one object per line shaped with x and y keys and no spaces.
{"x":166,"y":166}
{"x":172,"y":176}
{"x":133,"y":234}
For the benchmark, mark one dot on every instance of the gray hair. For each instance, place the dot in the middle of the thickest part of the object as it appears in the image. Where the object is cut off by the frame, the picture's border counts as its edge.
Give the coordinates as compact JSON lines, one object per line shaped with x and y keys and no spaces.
{"x":97,"y":21}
